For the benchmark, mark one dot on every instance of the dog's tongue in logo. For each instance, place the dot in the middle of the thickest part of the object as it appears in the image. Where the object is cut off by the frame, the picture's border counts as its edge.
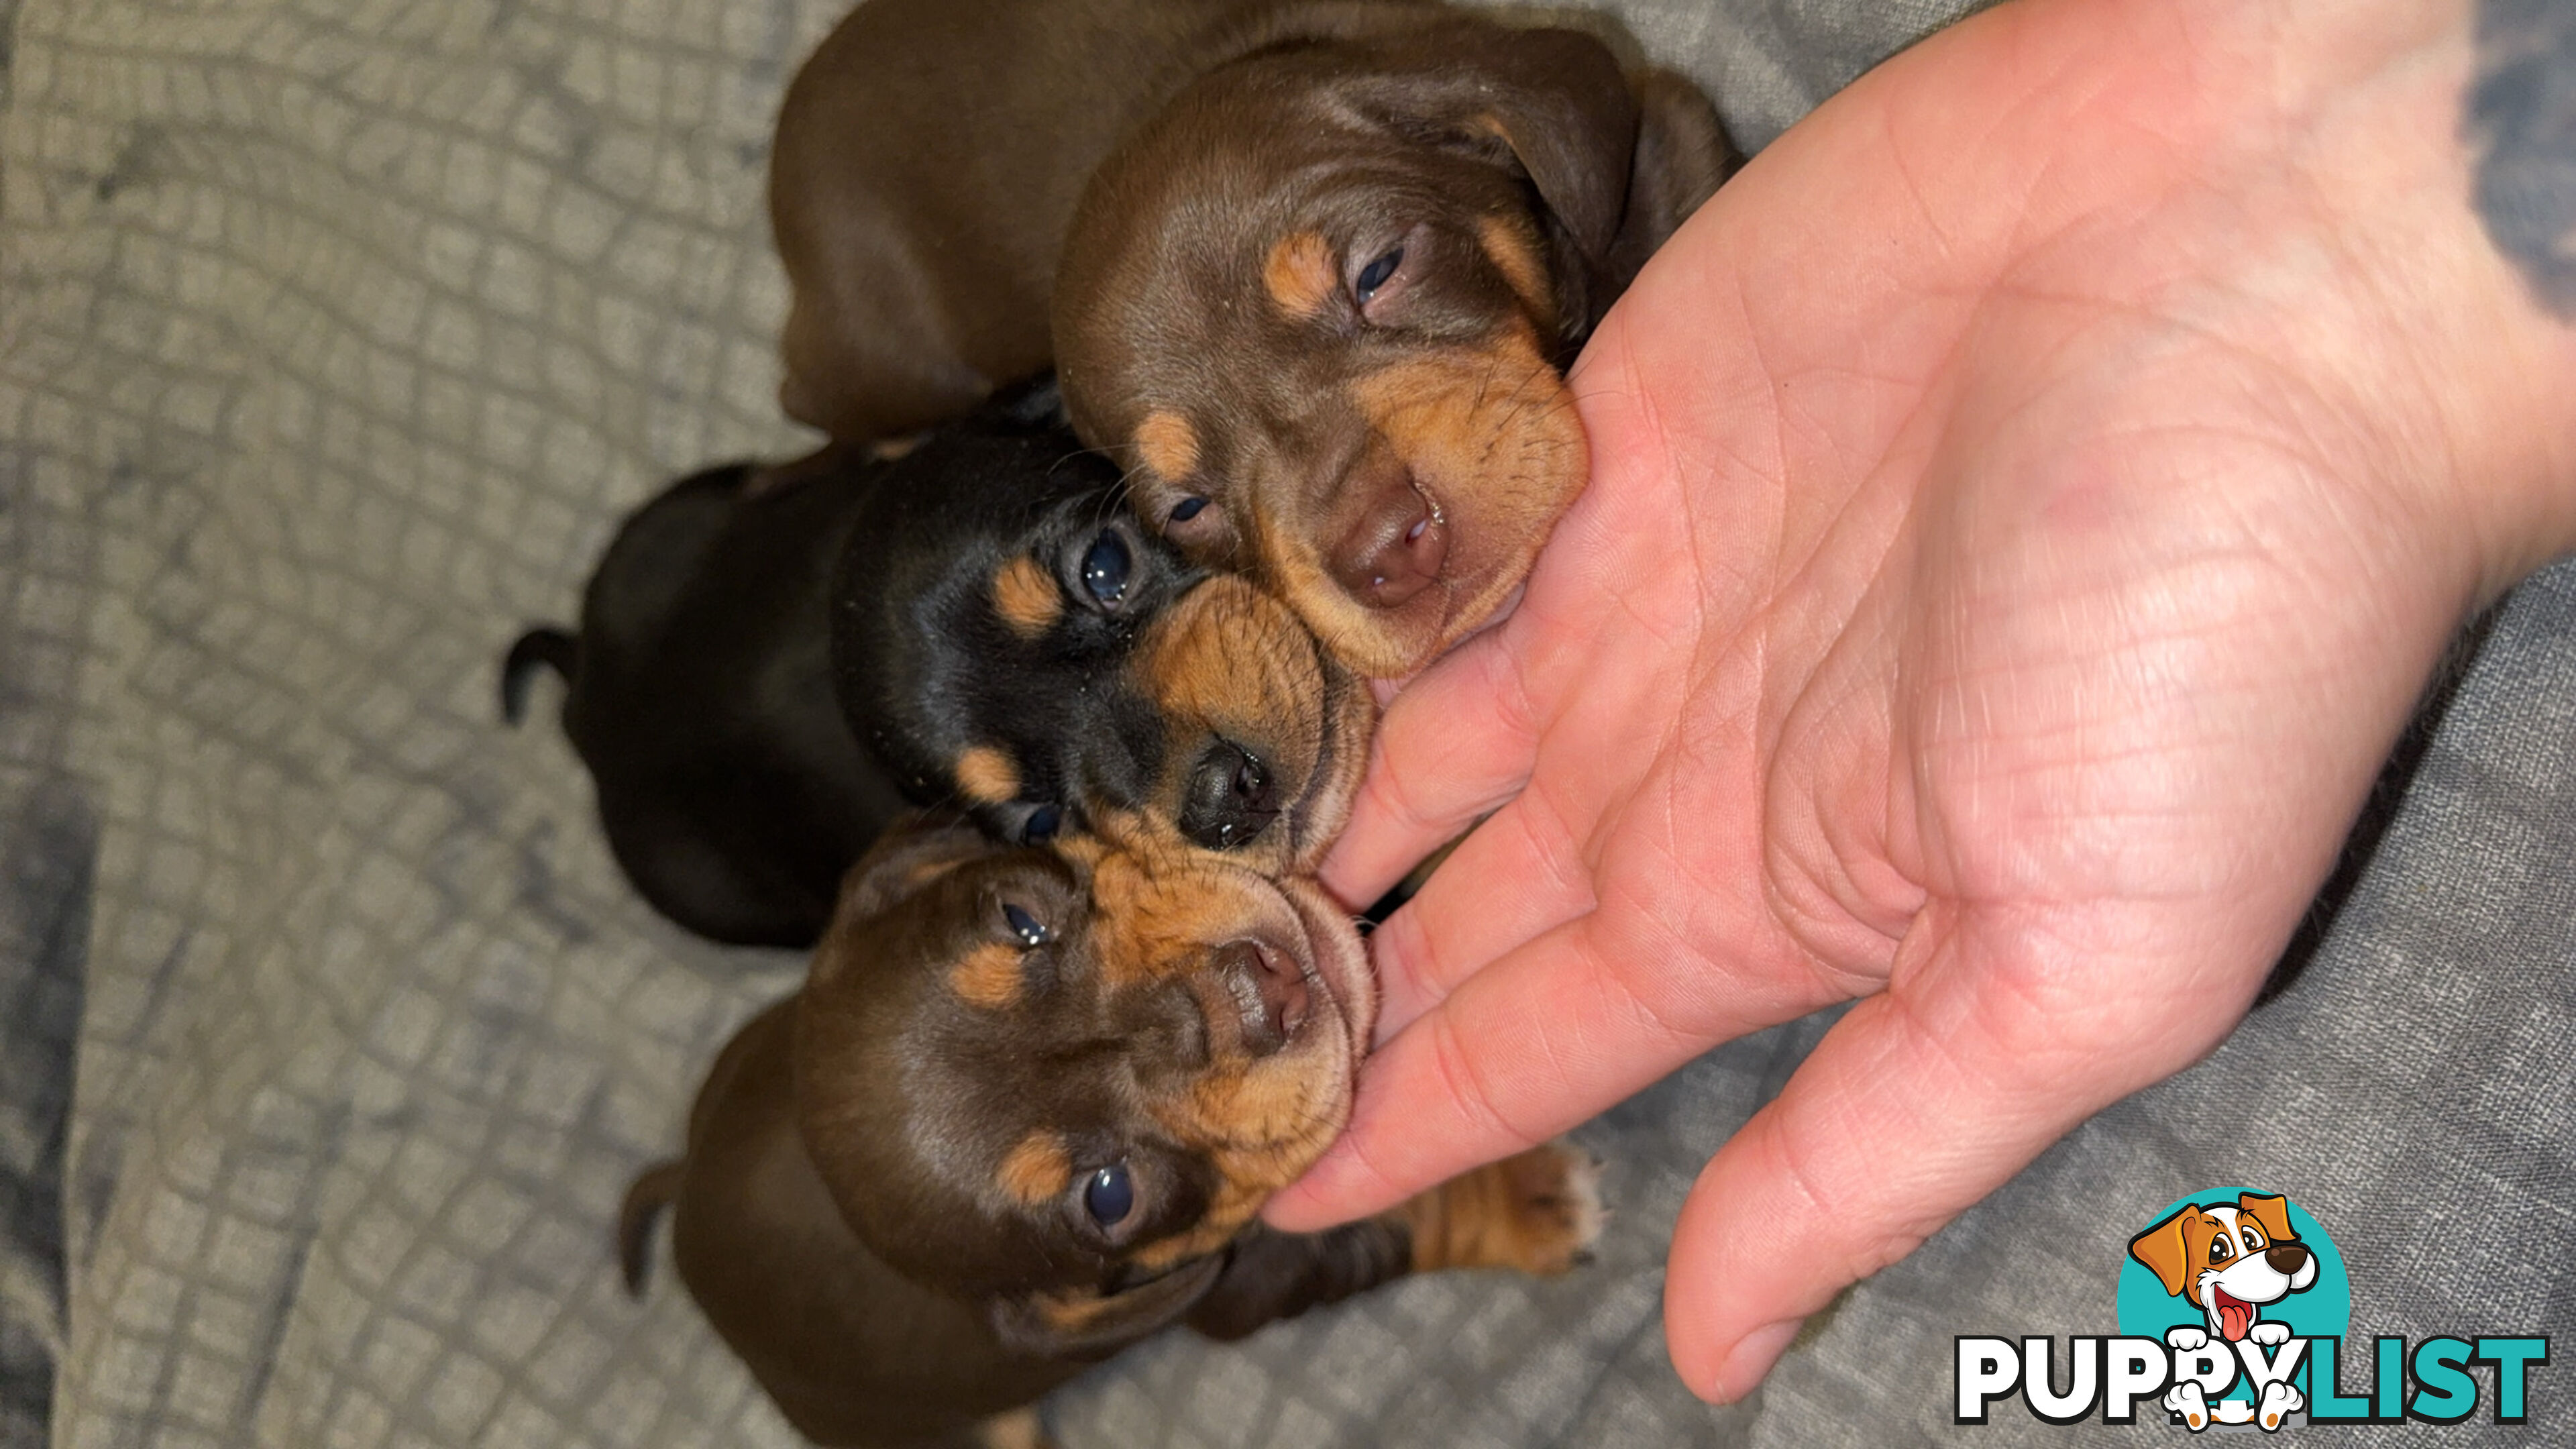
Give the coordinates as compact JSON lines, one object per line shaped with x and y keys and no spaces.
{"x":2235,"y":1315}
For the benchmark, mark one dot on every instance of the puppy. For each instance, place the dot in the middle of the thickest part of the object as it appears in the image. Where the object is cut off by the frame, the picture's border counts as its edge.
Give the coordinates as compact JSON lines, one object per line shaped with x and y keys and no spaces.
{"x":1022,"y":1115}
{"x":700,"y":699}
{"x":773,"y":660}
{"x":1320,"y":289}
{"x":2229,"y":1260}
{"x":1037,"y":657}
{"x":1323,"y":298}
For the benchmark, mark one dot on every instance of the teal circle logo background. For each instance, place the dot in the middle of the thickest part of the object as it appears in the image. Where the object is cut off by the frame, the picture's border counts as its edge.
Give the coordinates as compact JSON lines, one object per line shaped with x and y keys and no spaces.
{"x":2322,"y":1310}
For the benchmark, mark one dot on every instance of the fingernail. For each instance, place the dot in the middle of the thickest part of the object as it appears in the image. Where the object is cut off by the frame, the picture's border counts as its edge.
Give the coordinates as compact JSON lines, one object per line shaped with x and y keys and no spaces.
{"x":1752,"y":1357}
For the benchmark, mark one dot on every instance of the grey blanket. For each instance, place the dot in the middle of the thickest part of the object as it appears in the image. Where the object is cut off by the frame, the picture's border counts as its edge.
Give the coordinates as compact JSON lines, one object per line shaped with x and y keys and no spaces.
{"x":334,"y":336}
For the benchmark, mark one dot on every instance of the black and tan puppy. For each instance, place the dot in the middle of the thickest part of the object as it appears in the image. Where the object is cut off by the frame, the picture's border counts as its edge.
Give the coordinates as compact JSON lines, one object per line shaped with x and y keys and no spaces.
{"x":1319,"y":291}
{"x":1023,"y":1114}
{"x":1053,"y":665}
{"x":1005,"y":637}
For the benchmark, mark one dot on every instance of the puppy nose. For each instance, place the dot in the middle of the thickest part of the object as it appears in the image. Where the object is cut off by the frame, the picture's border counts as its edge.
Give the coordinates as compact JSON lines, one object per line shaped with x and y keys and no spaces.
{"x":1231,"y":798}
{"x":2286,"y":1258}
{"x":1395,"y":549}
{"x":1270,"y":989}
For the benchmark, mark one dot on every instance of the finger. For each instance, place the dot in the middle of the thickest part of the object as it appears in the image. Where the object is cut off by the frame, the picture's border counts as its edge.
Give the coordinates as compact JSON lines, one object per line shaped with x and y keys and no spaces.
{"x":1520,"y":873}
{"x":1540,"y":1040}
{"x":1456,"y":742}
{"x":1916,"y":1104}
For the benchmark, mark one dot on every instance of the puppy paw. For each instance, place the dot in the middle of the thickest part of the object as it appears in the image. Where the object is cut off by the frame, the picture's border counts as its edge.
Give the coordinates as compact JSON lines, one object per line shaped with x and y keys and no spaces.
{"x":2280,"y":1401}
{"x":1539,"y":1212}
{"x":2270,"y":1335}
{"x":2185,"y":1337}
{"x":2186,"y":1399}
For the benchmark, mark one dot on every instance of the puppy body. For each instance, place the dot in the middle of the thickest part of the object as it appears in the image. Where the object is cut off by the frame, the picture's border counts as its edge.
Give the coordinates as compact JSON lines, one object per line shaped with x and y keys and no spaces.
{"x":919,"y":190}
{"x":1389,"y":464}
{"x":903,"y":1239}
{"x":700,"y":698}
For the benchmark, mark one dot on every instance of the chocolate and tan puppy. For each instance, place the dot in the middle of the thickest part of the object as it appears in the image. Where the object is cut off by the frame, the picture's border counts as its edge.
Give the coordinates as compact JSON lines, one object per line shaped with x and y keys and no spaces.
{"x":1023,"y":1114}
{"x":1318,"y":294}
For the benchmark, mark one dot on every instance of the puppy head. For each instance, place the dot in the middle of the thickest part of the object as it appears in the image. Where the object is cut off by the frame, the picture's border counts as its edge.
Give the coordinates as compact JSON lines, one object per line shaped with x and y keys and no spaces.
{"x":2228,"y":1259}
{"x":1320,"y":303}
{"x":1005,"y":635}
{"x":1061,"y":1081}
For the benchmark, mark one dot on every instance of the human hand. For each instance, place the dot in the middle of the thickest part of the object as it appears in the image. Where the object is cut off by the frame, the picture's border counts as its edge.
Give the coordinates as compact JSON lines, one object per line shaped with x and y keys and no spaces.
{"x":2025,"y":504}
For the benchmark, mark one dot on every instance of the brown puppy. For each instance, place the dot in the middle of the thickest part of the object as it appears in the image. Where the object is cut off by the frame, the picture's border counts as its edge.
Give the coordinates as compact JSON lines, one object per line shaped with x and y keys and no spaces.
{"x":928,"y":156}
{"x":1023,"y":1114}
{"x":1321,"y":302}
{"x":1319,"y":296}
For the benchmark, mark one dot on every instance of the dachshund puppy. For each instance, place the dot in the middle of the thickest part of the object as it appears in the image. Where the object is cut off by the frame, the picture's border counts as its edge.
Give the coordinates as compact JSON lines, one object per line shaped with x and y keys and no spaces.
{"x":1319,"y":292}
{"x":1047,"y":663}
{"x":773,"y":660}
{"x":1023,"y":1114}
{"x":1322,"y":301}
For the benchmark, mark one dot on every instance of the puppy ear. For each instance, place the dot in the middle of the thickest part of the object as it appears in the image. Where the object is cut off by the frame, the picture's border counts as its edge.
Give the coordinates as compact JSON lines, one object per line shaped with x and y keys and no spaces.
{"x":916,"y":850}
{"x":2165,"y":1252}
{"x":1682,"y":155}
{"x":1080,"y":1325}
{"x":1556,"y":98}
{"x":2272,"y":1212}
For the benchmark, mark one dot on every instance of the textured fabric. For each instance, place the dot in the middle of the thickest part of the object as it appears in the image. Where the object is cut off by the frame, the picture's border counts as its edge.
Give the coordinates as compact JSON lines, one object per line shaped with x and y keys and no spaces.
{"x":335,"y":335}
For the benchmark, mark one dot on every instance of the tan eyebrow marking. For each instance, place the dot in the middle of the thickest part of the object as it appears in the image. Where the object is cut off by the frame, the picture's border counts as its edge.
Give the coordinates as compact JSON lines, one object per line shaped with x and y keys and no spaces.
{"x":1037,"y":1169}
{"x":1299,"y":273}
{"x":989,"y":977}
{"x":1509,"y":247}
{"x":1166,"y":443}
{"x":987,"y":775}
{"x":1025,"y":597}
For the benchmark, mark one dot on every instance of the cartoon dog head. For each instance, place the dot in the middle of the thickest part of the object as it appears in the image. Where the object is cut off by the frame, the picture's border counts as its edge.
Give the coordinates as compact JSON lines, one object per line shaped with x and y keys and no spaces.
{"x":2228,"y":1259}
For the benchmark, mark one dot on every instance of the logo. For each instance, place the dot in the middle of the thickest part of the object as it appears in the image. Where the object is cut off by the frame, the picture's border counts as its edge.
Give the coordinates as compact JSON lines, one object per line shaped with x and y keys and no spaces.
{"x":2234,"y":1308}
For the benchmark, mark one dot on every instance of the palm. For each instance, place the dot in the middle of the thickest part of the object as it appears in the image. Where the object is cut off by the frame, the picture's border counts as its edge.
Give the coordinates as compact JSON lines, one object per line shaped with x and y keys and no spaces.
{"x":1967,"y":612}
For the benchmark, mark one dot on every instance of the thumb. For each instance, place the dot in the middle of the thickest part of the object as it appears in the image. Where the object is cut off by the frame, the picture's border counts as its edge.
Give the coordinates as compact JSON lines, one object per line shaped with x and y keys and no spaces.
{"x":1920,"y":1101}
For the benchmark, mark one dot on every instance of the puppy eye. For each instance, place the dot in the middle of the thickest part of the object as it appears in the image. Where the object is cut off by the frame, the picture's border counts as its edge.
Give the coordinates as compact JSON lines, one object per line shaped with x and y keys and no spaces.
{"x":1109,"y":1196}
{"x":2221,"y":1248}
{"x":1041,"y":826}
{"x":1105,"y":570}
{"x":1187,"y":509}
{"x":2252,"y":1242}
{"x":1374,"y":275}
{"x":1025,"y":926}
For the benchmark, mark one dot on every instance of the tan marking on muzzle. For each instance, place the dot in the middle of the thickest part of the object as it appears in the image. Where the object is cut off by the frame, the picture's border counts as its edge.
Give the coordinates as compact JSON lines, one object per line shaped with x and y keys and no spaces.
{"x":1492,"y":435}
{"x":1300,"y":274}
{"x":1026,"y":598}
{"x":987,"y":775}
{"x":1158,"y":909}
